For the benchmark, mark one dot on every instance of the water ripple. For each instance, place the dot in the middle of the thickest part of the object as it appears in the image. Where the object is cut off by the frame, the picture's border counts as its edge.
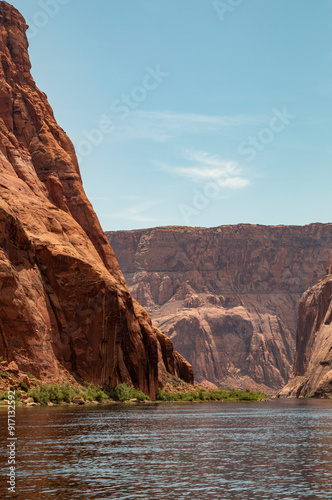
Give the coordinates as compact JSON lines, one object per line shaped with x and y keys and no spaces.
{"x":259,"y":451}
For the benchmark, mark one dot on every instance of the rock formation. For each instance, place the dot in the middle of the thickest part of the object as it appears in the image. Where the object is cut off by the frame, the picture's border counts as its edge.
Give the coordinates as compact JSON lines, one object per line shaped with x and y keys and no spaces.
{"x":312,"y":371}
{"x":228,"y":296}
{"x":65,"y":309}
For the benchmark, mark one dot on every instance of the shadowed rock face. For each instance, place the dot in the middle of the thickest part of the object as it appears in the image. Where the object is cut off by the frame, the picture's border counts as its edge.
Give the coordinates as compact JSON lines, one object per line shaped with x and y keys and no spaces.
{"x":312,"y":371}
{"x":227,"y":296}
{"x":64,"y":305}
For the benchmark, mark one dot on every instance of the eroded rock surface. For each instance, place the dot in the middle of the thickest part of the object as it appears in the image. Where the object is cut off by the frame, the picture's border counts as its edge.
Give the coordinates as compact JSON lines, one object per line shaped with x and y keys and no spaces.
{"x":65,"y":309}
{"x":312,"y":371}
{"x":227,"y":296}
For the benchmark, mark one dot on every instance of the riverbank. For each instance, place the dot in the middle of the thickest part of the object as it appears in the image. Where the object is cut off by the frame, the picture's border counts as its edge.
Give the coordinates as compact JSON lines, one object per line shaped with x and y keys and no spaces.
{"x":29,"y":391}
{"x":66,"y":394}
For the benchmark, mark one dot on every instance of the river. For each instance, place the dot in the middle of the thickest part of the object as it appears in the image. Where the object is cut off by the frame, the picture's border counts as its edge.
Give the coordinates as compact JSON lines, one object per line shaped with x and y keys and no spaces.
{"x":276,"y":450}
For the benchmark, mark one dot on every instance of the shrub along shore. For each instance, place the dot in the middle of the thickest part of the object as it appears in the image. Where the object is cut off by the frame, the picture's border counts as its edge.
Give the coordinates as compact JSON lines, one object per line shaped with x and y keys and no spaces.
{"x":43,"y":394}
{"x":30,"y":391}
{"x":66,"y":393}
{"x":201,"y":394}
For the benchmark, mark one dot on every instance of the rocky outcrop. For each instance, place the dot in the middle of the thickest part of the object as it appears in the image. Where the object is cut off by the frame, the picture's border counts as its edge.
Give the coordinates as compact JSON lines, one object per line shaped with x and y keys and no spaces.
{"x":312,"y":371}
{"x":65,"y":309}
{"x":227,"y":296}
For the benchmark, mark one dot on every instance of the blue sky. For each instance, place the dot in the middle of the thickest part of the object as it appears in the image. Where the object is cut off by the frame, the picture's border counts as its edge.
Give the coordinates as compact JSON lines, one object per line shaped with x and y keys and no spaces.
{"x":192,"y":112}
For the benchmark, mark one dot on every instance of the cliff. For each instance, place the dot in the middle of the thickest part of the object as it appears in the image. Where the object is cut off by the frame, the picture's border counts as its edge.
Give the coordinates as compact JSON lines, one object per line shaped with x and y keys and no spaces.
{"x":312,"y":371}
{"x":227,"y":296}
{"x":65,"y":309}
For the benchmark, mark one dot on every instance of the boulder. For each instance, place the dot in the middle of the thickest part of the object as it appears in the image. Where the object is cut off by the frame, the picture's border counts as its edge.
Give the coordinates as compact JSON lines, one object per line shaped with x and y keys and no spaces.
{"x":12,"y":367}
{"x":78,"y":401}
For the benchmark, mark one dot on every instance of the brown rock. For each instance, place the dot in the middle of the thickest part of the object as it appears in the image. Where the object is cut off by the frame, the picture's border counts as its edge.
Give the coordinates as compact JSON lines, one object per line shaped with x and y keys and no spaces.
{"x":193,"y":301}
{"x":236,"y":291}
{"x":26,"y":380}
{"x":312,"y":371}
{"x":215,"y":301}
{"x":78,"y":401}
{"x":208,"y":385}
{"x":12,"y":367}
{"x":64,"y":306}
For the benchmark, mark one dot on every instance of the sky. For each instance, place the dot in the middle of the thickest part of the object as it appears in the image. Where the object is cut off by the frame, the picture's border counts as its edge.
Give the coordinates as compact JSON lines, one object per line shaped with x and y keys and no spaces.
{"x":192,"y":112}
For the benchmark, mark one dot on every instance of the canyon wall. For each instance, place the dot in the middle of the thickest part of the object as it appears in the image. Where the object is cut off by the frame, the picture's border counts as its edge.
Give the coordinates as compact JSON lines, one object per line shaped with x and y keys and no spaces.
{"x":228,"y":296}
{"x":65,"y":310}
{"x":312,"y":371}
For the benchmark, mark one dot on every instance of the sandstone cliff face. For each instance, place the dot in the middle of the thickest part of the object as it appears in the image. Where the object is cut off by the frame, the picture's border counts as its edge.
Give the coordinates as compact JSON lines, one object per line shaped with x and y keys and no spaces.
{"x":312,"y":371}
{"x":64,"y":305}
{"x":228,"y":296}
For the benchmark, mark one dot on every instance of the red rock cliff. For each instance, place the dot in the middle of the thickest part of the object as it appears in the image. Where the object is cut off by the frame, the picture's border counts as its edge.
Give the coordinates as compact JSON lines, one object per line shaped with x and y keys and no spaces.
{"x":227,"y":296}
{"x":312,"y":371}
{"x":64,"y":305}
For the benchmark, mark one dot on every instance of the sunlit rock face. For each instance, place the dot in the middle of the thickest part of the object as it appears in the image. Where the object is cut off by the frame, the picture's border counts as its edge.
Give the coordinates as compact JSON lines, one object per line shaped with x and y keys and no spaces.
{"x":65,"y":310}
{"x":228,"y":296}
{"x":312,"y":372}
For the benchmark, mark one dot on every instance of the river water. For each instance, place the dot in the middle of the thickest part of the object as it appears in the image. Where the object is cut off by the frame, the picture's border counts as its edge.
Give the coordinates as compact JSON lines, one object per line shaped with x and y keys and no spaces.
{"x":278,"y":450}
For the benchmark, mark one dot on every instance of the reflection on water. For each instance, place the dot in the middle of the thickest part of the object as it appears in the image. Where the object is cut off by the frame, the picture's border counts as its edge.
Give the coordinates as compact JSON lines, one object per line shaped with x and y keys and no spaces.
{"x":279,"y":450}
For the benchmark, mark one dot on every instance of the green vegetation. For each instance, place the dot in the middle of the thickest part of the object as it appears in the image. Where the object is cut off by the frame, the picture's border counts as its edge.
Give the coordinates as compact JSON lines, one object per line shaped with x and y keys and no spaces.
{"x":30,"y":375}
{"x":124,"y":393}
{"x":1,"y":359}
{"x":4,"y":395}
{"x":23,"y":386}
{"x":212,"y":395}
{"x":65,"y":393}
{"x":4,"y":375}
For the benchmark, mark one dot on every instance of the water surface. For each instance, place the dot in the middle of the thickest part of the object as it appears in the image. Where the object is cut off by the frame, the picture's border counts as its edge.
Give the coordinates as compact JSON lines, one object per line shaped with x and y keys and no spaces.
{"x":279,"y":450}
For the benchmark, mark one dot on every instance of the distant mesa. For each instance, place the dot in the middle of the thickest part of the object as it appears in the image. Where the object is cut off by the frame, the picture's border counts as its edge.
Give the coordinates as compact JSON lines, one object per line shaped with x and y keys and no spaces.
{"x":227,"y":296}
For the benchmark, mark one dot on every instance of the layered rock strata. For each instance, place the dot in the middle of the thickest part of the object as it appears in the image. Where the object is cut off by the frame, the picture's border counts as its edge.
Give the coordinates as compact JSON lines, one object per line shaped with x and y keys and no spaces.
{"x":227,"y":296}
{"x":65,"y":310}
{"x":312,"y":371}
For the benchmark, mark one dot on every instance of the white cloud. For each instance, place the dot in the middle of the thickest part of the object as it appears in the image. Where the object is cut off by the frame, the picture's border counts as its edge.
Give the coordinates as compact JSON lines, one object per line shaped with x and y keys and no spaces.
{"x":194,"y":119}
{"x":161,"y":126}
{"x":205,"y":167}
